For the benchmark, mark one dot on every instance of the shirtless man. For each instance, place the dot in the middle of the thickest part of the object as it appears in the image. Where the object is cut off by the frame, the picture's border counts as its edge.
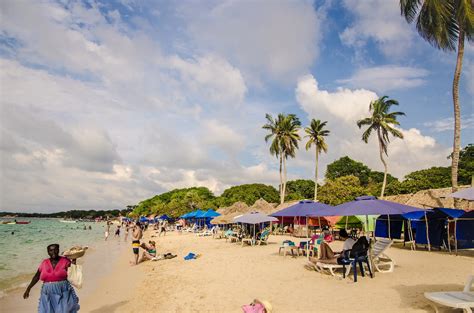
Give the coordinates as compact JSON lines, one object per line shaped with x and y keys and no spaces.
{"x":136,"y":236}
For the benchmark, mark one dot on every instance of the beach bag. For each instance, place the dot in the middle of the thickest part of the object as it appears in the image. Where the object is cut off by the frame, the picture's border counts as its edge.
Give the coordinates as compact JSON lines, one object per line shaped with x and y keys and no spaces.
{"x":360,"y":248}
{"x":74,"y":275}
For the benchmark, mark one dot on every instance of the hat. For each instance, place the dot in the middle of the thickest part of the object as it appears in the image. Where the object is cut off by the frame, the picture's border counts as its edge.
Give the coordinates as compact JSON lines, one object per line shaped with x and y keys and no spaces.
{"x":266,"y":304}
{"x":75,"y":252}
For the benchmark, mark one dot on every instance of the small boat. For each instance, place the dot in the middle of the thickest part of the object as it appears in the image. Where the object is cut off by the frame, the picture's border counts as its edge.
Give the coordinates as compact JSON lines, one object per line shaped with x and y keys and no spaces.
{"x":23,"y":222}
{"x":67,"y":221}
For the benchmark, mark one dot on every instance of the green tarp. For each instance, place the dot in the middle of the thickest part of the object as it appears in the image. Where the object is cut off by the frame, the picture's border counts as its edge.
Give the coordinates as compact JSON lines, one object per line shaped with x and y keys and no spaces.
{"x":357,"y":221}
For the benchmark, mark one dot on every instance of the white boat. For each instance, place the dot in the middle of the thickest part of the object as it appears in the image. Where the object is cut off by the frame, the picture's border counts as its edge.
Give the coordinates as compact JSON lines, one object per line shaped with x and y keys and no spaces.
{"x":67,"y":221}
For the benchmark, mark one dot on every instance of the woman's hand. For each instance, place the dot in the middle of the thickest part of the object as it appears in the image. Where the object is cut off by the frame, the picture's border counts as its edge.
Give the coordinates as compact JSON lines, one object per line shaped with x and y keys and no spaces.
{"x":26,"y":294}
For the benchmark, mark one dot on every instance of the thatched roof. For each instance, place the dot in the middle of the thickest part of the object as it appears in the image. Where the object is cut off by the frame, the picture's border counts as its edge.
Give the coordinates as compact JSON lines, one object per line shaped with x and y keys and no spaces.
{"x":262,"y":206}
{"x":236,"y":207}
{"x":432,"y":198}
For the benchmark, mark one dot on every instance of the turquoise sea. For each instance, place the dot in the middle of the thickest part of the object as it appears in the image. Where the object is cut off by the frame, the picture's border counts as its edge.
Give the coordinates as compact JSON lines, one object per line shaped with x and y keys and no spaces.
{"x":23,"y":247}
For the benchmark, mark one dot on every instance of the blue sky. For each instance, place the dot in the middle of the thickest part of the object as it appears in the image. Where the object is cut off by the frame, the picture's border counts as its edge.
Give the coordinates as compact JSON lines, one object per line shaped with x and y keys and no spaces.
{"x":107,"y":103}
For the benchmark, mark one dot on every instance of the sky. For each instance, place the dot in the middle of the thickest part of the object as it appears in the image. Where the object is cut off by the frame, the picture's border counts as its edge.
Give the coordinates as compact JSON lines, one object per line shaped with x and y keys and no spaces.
{"x":106,"y":103}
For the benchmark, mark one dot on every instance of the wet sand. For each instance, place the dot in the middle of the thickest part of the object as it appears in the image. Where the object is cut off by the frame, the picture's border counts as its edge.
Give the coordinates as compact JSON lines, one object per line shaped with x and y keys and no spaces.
{"x":107,"y":275}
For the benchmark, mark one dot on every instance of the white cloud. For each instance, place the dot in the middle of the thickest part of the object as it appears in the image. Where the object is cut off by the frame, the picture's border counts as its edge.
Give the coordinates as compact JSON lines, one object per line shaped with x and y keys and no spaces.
{"x":447,"y":124}
{"x":342,"y":108}
{"x":220,"y":81}
{"x":345,"y":104}
{"x":387,"y":78}
{"x":379,"y":21}
{"x":275,"y":40}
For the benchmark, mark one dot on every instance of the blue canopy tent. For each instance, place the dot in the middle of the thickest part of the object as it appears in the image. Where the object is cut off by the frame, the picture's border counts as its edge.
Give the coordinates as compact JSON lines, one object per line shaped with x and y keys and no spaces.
{"x":464,"y":230}
{"x":432,"y":227}
{"x":143,"y":219}
{"x":164,"y":217}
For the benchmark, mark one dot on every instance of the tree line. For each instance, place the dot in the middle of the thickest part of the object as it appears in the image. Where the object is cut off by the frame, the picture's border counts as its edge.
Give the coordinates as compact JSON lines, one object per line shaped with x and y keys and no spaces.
{"x":345,"y":179}
{"x":73,"y":214}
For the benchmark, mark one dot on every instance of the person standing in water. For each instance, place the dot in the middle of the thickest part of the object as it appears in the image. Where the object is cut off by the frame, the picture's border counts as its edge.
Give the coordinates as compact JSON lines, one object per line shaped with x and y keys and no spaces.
{"x":57,"y":294}
{"x":107,"y":230}
{"x":136,"y":236}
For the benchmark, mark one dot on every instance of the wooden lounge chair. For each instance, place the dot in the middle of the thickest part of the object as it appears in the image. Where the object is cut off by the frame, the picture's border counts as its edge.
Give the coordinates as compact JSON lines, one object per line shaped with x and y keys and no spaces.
{"x":455,"y":299}
{"x":379,"y":259}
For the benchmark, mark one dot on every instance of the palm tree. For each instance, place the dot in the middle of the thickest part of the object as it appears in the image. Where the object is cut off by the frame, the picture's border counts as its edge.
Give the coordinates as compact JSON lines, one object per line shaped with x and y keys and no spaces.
{"x":316,"y":134}
{"x":442,"y":24}
{"x":273,"y":126}
{"x":284,"y":135}
{"x":381,"y":121}
{"x":289,"y":144}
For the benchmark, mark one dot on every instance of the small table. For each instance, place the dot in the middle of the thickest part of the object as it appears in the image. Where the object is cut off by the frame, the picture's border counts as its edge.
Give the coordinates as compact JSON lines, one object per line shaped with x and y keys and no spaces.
{"x":290,"y":249}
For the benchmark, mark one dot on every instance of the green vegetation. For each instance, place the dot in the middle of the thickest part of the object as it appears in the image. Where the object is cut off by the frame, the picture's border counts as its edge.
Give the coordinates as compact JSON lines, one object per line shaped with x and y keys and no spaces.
{"x":382,"y":122}
{"x":340,"y":190}
{"x":445,"y":25}
{"x":345,"y":180}
{"x":300,"y":189}
{"x":345,"y":166}
{"x":75,"y":214}
{"x":249,"y":194}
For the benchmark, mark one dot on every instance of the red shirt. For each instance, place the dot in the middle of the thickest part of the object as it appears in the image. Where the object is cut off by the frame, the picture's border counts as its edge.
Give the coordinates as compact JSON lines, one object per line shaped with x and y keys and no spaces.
{"x":48,"y":274}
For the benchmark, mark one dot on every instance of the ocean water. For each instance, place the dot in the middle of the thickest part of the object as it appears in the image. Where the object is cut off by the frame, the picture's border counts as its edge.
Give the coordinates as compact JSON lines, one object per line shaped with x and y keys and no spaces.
{"x":22,"y":252}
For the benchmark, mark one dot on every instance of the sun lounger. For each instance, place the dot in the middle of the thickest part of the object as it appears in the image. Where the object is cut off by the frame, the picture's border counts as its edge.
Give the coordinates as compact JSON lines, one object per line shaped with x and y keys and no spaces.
{"x":263,"y":239}
{"x":379,"y":259}
{"x":455,"y":299}
{"x":207,"y":232}
{"x":331,"y":268}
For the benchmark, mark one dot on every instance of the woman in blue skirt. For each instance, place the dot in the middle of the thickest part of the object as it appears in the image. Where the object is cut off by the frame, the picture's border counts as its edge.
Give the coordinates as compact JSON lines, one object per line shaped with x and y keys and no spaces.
{"x":57,"y":294}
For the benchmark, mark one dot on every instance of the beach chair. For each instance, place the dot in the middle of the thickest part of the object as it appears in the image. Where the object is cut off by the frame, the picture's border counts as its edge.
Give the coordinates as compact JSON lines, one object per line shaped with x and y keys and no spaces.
{"x":247,"y":240}
{"x":263,"y":239}
{"x":379,"y":259}
{"x":454,"y":299}
{"x":207,"y":232}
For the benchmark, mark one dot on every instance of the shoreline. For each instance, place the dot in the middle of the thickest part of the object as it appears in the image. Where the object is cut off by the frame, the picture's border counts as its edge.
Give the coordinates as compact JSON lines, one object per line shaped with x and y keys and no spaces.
{"x":103,"y":264}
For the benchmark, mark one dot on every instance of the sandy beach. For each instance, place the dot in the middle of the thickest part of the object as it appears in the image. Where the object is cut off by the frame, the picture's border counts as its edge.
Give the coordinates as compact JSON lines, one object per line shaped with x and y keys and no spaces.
{"x":227,"y":276}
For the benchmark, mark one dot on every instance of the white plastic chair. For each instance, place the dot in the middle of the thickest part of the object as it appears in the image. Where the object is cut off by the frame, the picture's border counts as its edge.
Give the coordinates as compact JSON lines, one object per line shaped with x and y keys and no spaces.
{"x":379,"y":259}
{"x":455,"y":299}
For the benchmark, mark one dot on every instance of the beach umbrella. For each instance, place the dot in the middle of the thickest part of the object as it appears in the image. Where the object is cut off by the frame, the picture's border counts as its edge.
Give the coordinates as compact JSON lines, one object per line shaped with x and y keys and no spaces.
{"x":368,"y":205}
{"x":211,"y":213}
{"x":466,"y":194}
{"x":254,"y":218}
{"x":164,"y":217}
{"x":302,"y":209}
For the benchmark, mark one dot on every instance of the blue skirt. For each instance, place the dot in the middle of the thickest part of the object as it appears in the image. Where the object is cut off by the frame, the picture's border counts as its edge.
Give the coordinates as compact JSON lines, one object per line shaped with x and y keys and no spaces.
{"x":58,"y":297}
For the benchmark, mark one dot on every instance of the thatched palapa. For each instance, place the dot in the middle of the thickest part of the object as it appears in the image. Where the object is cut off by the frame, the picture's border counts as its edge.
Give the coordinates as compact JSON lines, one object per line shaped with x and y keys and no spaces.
{"x":432,"y":198}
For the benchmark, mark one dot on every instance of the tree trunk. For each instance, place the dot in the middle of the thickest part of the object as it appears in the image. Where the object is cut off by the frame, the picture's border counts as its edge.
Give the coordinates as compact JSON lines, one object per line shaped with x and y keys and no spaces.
{"x":457,"y":113}
{"x":284,"y":181}
{"x":382,"y":192}
{"x":281,"y":181}
{"x":316,"y":178}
